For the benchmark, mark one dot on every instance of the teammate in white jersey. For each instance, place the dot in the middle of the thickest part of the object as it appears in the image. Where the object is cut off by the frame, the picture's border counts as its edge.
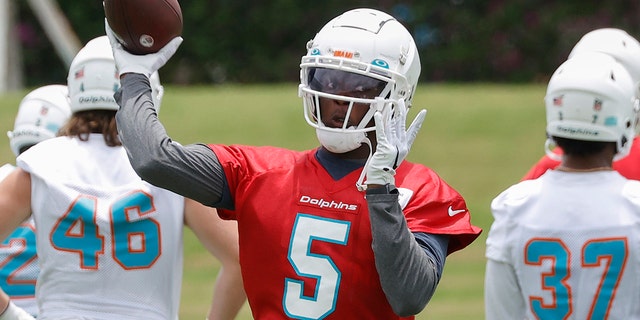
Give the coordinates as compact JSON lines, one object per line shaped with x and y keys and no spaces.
{"x":566,"y":245}
{"x":41,"y":113}
{"x":109,"y":244}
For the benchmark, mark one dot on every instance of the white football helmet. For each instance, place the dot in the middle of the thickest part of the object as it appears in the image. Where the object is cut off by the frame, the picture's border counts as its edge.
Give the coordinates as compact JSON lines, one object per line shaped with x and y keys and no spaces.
{"x":591,"y":97}
{"x":93,"y":78}
{"x":615,"y":42}
{"x":363,"y":56}
{"x":42,"y":112}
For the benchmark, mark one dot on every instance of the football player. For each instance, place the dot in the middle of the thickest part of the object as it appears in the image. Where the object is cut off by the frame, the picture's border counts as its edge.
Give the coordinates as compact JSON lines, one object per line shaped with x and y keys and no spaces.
{"x":565,"y":245}
{"x":109,"y":244}
{"x":41,"y":113}
{"x":348,"y":230}
{"x":626,"y":49}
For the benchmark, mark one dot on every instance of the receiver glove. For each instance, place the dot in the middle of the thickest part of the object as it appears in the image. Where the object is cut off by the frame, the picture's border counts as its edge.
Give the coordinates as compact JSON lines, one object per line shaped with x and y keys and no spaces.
{"x":393,"y":143}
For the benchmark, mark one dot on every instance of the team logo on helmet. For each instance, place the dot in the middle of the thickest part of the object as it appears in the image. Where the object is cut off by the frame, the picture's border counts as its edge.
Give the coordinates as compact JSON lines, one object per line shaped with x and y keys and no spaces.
{"x":380,"y":63}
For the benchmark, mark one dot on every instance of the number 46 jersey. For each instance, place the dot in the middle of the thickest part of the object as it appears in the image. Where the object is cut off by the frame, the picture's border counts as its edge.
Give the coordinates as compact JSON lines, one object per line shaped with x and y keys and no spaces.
{"x":109,"y":244}
{"x":571,"y":242}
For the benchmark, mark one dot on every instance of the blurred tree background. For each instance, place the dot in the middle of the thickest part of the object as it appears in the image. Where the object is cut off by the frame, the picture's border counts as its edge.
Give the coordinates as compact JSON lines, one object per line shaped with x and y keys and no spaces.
{"x":245,"y":41}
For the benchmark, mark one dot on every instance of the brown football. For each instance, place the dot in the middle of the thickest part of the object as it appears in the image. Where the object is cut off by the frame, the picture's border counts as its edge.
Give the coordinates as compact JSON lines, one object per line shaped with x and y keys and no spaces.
{"x":144,"y":26}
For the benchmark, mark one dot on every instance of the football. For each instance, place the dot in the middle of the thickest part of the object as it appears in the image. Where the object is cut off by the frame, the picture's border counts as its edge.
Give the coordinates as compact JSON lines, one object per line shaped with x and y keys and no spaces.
{"x":144,"y":26}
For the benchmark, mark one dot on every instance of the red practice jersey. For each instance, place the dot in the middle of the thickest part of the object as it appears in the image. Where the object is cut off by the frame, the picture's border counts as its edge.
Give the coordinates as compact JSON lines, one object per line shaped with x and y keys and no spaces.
{"x":629,"y":166}
{"x":305,"y":238}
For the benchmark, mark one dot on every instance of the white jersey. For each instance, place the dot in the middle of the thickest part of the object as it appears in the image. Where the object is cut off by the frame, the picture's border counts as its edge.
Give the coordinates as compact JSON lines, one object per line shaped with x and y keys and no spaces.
{"x":570,"y":243}
{"x":18,"y":261}
{"x":109,"y":244}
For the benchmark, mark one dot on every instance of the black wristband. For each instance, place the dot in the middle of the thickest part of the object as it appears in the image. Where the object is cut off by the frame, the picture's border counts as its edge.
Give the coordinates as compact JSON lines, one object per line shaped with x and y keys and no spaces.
{"x":386,"y":189}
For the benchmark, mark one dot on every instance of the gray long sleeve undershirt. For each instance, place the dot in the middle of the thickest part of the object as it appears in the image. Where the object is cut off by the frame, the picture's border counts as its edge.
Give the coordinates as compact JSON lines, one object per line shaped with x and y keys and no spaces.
{"x":409,"y":268}
{"x":192,"y":170}
{"x":409,"y":273}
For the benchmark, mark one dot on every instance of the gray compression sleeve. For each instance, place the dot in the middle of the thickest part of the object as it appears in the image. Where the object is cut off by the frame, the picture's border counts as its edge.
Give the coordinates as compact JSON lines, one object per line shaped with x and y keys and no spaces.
{"x":408,"y":275}
{"x":192,"y":171}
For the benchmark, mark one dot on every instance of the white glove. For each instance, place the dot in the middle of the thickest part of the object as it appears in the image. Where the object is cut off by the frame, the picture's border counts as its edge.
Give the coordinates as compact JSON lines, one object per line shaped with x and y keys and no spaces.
{"x":393,"y":143}
{"x":145,"y":64}
{"x":13,"y":312}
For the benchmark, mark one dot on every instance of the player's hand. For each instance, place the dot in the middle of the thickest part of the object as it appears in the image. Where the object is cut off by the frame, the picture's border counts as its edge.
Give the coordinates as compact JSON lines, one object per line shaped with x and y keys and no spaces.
{"x":145,"y":64}
{"x":14,"y":312}
{"x":393,"y":143}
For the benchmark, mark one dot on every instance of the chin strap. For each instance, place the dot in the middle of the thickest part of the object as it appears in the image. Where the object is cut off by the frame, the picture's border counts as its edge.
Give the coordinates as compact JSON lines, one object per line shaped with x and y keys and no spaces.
{"x":359,"y":184}
{"x":549,"y":145}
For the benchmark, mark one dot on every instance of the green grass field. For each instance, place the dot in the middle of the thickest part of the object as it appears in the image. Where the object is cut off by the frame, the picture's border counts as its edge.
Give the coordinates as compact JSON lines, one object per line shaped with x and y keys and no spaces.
{"x":481,"y":138}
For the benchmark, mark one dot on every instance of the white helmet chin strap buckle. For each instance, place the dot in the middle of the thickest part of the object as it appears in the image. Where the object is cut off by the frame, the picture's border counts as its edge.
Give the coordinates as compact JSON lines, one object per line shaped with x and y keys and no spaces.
{"x":549,"y":145}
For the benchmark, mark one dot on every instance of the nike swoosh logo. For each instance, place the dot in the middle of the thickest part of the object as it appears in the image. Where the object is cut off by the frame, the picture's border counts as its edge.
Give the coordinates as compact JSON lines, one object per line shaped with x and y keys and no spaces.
{"x":454,"y":212}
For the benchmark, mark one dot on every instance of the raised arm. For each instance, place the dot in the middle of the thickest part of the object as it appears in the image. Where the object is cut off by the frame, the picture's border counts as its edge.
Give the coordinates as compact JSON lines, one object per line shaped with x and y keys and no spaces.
{"x":409,"y":267}
{"x":192,"y":170}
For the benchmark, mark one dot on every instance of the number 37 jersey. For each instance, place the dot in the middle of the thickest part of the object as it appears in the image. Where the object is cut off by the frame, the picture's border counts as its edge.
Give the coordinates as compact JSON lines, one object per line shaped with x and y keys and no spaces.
{"x":110,"y":245}
{"x":572,"y":240}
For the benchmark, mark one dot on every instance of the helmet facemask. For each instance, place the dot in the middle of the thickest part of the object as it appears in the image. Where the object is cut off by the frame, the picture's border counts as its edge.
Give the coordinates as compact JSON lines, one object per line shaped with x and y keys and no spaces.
{"x":358,"y":93}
